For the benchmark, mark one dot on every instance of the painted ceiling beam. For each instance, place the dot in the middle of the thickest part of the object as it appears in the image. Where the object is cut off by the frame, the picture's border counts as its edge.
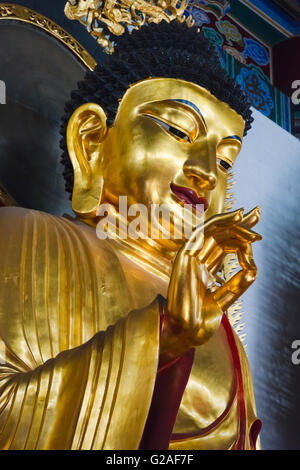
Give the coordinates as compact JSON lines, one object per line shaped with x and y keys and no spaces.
{"x":274,"y":15}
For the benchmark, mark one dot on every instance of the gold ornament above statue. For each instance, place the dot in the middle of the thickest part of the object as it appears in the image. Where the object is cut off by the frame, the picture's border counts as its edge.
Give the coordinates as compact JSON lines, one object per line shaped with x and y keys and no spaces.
{"x":102,"y":17}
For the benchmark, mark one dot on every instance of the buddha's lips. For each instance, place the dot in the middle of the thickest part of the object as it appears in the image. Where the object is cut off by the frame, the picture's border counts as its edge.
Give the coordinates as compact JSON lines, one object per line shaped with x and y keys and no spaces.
{"x":188,"y":196}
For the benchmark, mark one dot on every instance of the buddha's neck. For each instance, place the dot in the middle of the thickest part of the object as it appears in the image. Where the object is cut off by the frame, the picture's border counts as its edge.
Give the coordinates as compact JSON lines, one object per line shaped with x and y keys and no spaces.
{"x":145,"y":252}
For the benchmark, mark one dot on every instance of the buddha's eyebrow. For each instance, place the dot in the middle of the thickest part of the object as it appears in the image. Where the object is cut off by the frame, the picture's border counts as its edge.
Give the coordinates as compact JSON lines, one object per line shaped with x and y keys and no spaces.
{"x":233,"y":137}
{"x":192,"y":105}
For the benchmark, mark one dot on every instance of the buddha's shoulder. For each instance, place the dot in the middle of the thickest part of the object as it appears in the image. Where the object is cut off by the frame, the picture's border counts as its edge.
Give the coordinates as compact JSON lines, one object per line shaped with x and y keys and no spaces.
{"x":20,"y":227}
{"x":15,"y":217}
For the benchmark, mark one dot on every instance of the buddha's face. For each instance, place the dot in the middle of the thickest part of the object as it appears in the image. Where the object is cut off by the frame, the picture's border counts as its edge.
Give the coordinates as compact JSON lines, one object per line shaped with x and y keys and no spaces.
{"x":172,"y":143}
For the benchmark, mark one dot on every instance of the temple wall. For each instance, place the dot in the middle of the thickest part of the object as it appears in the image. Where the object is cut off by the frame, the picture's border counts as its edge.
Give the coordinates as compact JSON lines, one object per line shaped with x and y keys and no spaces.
{"x":267,"y":174}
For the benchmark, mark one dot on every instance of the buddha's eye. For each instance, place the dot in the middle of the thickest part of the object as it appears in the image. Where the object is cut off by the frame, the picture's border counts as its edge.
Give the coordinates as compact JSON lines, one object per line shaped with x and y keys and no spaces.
{"x":178,"y":134}
{"x":226,"y":166}
{"x":181,"y":135}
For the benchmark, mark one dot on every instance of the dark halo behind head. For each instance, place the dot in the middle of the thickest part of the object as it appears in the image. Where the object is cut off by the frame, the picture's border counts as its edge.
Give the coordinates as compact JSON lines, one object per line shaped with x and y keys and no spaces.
{"x":171,"y":50}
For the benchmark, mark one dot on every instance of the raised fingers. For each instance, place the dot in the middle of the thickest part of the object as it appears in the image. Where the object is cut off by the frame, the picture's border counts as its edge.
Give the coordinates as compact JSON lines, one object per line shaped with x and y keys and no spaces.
{"x":237,"y":232}
{"x":218,"y":252}
{"x":230,"y":292}
{"x":222,"y":221}
{"x":215,"y":224}
{"x":232,"y":289}
{"x":251,"y":219}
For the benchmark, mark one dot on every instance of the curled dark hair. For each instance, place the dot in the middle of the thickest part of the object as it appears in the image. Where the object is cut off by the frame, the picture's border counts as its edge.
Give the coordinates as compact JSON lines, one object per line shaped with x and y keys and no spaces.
{"x":158,"y":50}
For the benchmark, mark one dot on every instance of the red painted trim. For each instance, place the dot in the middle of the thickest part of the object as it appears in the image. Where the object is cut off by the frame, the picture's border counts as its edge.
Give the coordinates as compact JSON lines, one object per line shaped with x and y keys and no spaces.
{"x":169,"y":388}
{"x":240,"y":443}
{"x":237,"y":390}
{"x":171,"y":381}
{"x":254,"y":432}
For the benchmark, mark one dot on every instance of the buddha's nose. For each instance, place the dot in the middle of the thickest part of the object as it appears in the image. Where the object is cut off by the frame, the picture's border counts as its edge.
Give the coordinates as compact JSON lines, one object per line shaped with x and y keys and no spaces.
{"x":204,"y":173}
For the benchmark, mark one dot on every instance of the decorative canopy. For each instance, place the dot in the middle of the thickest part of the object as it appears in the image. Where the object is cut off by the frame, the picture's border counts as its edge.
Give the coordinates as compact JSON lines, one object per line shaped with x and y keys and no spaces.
{"x":104,"y":18}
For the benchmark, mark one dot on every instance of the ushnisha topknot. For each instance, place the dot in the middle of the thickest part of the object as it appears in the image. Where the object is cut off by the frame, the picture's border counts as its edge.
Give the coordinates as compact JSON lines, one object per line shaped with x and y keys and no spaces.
{"x":171,"y":50}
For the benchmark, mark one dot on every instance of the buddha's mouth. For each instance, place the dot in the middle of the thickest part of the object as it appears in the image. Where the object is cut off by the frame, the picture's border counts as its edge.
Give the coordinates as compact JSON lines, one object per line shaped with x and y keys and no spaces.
{"x":188,"y":196}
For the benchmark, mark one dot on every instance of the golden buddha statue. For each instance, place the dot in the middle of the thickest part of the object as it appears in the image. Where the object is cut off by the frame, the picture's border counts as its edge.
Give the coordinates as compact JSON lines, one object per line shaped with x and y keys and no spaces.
{"x":124,"y":343}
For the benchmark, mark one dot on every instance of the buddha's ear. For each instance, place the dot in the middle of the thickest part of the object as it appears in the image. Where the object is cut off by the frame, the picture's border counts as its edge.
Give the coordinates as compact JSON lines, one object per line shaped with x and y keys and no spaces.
{"x":86,"y":131}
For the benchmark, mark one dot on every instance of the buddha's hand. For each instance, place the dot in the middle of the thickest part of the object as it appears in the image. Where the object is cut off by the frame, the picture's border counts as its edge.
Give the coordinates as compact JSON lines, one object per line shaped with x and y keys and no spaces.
{"x":196,"y":300}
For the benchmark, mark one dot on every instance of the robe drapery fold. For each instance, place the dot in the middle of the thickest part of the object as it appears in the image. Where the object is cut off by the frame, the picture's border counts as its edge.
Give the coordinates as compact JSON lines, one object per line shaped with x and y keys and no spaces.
{"x":96,"y":396}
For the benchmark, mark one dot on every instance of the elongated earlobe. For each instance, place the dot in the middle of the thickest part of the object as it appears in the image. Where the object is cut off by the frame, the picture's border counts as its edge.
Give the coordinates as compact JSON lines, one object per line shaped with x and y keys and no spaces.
{"x":85,"y":132}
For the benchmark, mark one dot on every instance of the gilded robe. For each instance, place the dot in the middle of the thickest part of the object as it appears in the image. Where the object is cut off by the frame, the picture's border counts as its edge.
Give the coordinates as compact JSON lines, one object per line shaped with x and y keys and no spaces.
{"x":79,"y":349}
